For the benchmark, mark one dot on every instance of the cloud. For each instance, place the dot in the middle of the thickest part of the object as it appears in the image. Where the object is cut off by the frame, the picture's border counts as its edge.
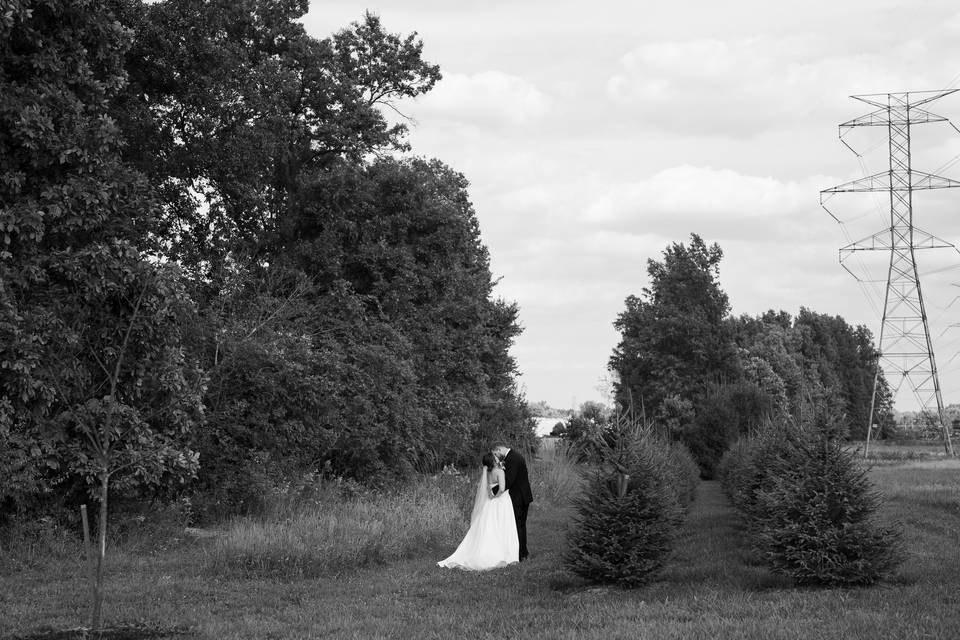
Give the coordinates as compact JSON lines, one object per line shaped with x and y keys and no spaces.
{"x":741,"y":87}
{"x":485,"y":99}
{"x":591,"y":144}
{"x":718,"y":202}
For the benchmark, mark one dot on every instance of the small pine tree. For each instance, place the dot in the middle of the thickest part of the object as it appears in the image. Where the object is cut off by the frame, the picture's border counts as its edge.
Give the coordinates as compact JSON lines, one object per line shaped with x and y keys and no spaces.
{"x":623,"y":532}
{"x":747,"y":466}
{"x":813,"y":517}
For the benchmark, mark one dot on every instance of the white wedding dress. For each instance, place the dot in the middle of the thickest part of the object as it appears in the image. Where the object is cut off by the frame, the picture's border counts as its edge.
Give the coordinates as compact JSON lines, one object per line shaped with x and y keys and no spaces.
{"x":491,"y":541}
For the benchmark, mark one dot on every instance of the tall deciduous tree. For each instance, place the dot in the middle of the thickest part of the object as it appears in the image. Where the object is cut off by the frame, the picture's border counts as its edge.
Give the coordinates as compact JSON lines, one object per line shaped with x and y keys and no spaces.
{"x":345,"y":308}
{"x":674,"y":341}
{"x":843,"y":360}
{"x":233,"y":109}
{"x":395,"y":250}
{"x":708,"y":378}
{"x":94,"y":384}
{"x":72,"y":215}
{"x":825,"y":365}
{"x":261,"y":138}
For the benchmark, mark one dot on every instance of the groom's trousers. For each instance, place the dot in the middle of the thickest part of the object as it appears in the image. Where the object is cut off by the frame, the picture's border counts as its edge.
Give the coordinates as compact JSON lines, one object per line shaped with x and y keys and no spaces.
{"x":520,"y":514}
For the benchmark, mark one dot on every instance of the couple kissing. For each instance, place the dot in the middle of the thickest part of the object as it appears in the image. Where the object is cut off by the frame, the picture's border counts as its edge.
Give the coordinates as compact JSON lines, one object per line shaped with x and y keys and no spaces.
{"x":497,"y":535}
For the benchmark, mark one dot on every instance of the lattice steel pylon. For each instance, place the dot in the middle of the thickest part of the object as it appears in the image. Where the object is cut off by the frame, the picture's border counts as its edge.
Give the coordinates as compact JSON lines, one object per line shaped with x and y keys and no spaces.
{"x":905,"y":345}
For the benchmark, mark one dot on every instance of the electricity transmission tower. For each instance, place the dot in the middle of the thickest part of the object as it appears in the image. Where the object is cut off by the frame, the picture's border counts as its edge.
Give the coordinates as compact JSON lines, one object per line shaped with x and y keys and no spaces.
{"x":905,"y":345}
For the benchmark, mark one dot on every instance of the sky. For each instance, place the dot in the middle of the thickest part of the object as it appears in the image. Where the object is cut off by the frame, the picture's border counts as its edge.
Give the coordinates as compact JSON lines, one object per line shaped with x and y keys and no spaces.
{"x":596,"y":134}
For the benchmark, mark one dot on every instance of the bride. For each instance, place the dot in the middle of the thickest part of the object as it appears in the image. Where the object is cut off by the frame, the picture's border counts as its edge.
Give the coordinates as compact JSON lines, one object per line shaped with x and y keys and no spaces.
{"x":491,"y":541}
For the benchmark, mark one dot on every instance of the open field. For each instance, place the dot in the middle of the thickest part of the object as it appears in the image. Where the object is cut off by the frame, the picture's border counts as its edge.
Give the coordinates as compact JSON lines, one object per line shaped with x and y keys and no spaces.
{"x":886,"y":451}
{"x":712,"y":589}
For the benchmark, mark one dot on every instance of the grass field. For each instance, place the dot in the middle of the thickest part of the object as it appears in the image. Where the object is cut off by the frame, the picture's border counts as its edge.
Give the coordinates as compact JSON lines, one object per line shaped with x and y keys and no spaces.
{"x":885,"y":451}
{"x":711,"y":589}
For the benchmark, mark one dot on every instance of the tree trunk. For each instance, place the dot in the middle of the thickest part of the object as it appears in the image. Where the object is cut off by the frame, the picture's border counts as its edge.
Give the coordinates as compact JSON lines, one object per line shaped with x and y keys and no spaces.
{"x":96,"y":622}
{"x":88,"y":556}
{"x":623,"y":481}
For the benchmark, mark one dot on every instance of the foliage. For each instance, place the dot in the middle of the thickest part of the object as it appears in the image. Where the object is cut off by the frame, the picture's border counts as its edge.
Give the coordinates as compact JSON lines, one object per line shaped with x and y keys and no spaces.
{"x":228,"y":188}
{"x":407,"y":328}
{"x":725,"y":413}
{"x":251,"y":112}
{"x":623,"y":538}
{"x":584,"y":431}
{"x":543,"y":410}
{"x":708,"y":378}
{"x":673,"y":339}
{"x":345,"y":293}
{"x":810,"y":508}
{"x":93,"y":378}
{"x":95,"y":385}
{"x":744,"y":468}
{"x":682,"y":470}
{"x":812,"y":363}
{"x":629,"y":513}
{"x":817,"y":526}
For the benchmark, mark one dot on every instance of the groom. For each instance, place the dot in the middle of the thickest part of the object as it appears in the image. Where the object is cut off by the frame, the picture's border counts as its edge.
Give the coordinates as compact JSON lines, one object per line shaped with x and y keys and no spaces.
{"x":518,"y":484}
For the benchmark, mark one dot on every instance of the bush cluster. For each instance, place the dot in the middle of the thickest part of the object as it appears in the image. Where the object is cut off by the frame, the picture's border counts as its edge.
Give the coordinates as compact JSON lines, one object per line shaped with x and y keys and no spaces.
{"x":630,"y":511}
{"x":809,"y":508}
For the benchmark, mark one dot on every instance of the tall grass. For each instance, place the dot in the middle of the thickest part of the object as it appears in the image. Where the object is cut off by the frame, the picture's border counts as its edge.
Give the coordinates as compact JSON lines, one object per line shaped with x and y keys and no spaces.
{"x":31,"y":543}
{"x":329,"y":528}
{"x":323,"y":526}
{"x":555,"y":476}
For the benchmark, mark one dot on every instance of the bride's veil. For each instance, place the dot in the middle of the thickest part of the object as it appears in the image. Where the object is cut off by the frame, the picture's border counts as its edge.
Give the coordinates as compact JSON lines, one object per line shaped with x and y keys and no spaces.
{"x":481,"y":497}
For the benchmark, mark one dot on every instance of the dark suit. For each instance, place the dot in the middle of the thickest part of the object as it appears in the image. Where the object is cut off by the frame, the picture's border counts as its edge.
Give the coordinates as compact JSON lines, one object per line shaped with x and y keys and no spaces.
{"x":517,"y":483}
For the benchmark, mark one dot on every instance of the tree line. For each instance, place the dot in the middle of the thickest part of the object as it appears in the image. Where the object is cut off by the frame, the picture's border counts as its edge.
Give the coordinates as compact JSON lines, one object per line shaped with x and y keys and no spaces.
{"x":708,"y":377}
{"x":220,"y":264}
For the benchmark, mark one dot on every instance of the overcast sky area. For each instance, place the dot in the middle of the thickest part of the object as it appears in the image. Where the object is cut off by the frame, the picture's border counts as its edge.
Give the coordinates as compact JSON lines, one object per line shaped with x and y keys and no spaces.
{"x":595,"y":134}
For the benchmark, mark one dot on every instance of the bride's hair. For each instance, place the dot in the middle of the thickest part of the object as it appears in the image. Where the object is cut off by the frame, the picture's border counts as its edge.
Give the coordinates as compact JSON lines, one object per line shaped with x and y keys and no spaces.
{"x":489,"y":460}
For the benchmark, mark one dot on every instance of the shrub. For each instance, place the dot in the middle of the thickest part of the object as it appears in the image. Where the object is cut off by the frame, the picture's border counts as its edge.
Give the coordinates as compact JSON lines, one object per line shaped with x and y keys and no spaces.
{"x":235,"y":483}
{"x":814,"y":518}
{"x":725,"y":413}
{"x":628,"y":516}
{"x":809,"y":507}
{"x":684,"y":472}
{"x":624,"y":537}
{"x":746,"y":465}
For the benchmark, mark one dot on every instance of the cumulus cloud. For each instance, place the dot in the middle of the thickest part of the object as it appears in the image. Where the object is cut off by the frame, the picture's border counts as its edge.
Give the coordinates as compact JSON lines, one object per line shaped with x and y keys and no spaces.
{"x":743,"y":86}
{"x":720,"y":202}
{"x":487,"y":98}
